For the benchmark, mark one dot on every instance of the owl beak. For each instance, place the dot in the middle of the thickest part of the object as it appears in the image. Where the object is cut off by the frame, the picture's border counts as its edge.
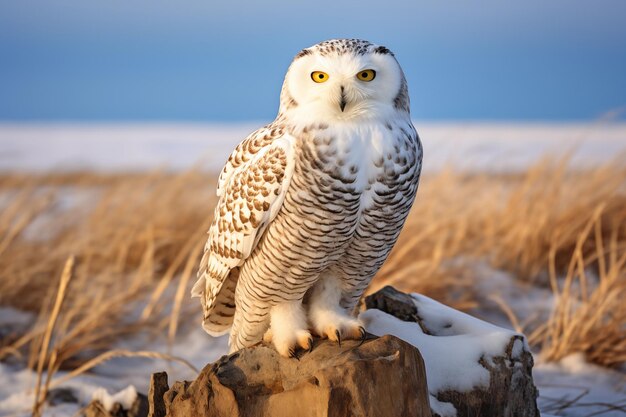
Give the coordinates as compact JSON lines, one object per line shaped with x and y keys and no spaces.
{"x":343,"y":102}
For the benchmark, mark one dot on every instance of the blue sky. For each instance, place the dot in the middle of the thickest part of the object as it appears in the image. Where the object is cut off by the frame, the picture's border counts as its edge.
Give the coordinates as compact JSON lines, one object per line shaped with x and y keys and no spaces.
{"x":200,"y":60}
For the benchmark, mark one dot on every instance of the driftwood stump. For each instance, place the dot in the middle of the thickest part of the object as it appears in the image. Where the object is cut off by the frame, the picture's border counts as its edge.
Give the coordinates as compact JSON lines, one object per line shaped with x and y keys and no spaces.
{"x":381,"y":377}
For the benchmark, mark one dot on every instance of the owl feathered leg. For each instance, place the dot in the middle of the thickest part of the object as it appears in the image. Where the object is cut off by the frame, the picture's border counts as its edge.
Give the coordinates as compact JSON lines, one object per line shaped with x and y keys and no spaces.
{"x":250,"y":322}
{"x":288,"y":328}
{"x":328,"y":318}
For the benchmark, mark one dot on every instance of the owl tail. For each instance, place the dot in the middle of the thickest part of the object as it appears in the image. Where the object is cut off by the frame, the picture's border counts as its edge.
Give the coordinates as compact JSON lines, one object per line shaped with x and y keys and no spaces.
{"x":216,"y":289}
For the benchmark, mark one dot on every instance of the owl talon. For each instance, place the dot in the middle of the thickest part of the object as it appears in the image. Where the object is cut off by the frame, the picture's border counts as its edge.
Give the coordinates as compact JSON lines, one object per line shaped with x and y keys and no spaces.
{"x":338,"y":337}
{"x":363,"y":335}
{"x":310,"y":344}
{"x":304,"y":340}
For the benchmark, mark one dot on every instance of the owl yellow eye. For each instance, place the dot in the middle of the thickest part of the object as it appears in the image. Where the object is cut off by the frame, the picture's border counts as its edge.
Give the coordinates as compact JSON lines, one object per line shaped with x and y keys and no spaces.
{"x":366,"y":75}
{"x":319,"y":76}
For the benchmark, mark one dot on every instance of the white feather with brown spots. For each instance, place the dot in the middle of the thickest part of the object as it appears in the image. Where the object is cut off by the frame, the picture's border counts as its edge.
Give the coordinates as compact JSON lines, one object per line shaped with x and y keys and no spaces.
{"x":251,"y":188}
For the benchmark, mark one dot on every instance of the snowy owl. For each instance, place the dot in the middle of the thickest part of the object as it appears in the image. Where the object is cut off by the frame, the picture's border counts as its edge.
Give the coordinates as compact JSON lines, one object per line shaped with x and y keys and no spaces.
{"x":311,"y":204}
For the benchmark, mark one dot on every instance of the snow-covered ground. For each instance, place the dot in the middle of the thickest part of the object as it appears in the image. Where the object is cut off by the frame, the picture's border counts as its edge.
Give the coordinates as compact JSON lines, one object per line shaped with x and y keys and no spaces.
{"x":16,"y":382}
{"x":44,"y":147}
{"x":483,"y":146}
{"x":573,"y":387}
{"x":451,"y":362}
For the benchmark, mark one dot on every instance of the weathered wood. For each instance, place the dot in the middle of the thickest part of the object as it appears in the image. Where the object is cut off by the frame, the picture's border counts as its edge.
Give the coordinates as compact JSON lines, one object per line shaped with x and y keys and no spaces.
{"x":396,"y":303}
{"x":381,"y":377}
{"x":158,"y":387}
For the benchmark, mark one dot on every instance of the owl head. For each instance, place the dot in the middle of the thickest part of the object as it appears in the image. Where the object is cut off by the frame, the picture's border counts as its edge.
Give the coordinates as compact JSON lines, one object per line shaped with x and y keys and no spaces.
{"x":344,"y":80}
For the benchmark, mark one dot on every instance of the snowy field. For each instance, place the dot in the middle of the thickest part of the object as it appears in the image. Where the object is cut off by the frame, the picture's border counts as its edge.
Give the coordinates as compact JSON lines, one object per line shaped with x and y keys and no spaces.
{"x":138,"y":147}
{"x":570,"y":387}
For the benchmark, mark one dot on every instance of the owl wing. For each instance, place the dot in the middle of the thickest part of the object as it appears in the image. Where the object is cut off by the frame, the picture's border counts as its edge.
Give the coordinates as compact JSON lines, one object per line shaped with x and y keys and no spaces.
{"x":251,"y":190}
{"x":248,"y":149}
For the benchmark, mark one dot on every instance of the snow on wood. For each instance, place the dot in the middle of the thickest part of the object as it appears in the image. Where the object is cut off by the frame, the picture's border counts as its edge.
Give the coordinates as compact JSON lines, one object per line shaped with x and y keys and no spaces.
{"x":472,"y":365}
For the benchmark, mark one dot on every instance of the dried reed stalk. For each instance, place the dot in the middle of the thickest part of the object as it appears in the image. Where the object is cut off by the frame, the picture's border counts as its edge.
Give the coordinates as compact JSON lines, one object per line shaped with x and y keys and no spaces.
{"x":119,"y":353}
{"x":40,"y":394}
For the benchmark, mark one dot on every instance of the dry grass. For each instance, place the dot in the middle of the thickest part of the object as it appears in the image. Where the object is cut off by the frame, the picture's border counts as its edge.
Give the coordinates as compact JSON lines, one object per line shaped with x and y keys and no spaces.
{"x":43,"y":387}
{"x":131,"y":239}
{"x":590,"y":316}
{"x":136,"y":239}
